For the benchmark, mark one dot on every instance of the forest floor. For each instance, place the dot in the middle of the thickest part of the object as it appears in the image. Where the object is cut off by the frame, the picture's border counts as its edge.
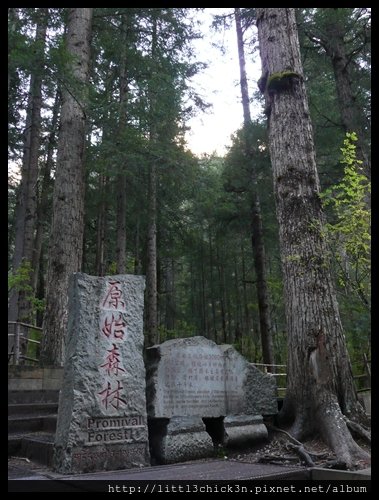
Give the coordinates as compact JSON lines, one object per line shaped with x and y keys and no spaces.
{"x":279,"y":450}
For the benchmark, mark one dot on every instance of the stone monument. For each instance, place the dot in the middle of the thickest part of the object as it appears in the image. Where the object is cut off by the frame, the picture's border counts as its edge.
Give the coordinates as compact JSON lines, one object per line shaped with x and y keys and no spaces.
{"x":102,"y":422}
{"x":200,"y":394}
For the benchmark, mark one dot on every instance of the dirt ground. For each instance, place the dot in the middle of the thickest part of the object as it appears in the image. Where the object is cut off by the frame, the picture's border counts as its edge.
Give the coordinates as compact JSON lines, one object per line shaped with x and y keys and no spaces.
{"x":276,"y":450}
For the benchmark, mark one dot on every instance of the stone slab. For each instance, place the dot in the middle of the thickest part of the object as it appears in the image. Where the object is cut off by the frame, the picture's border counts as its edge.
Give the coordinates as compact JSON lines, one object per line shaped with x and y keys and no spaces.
{"x":196,"y":377}
{"x":102,"y":422}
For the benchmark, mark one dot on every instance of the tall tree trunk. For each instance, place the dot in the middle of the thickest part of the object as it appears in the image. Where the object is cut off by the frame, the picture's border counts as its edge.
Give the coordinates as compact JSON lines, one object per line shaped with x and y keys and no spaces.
{"x":26,"y":209}
{"x":121,"y":223}
{"x":320,"y":387}
{"x":238,"y":307}
{"x":101,"y":225}
{"x":204,"y":322}
{"x":121,"y":182}
{"x":45,"y":192}
{"x":151,"y":269}
{"x":137,"y":259}
{"x":168,"y":272}
{"x":222,"y":295}
{"x":211,"y":264}
{"x":66,"y":240}
{"x":351,"y":116}
{"x":247,"y":321}
{"x":256,"y":215}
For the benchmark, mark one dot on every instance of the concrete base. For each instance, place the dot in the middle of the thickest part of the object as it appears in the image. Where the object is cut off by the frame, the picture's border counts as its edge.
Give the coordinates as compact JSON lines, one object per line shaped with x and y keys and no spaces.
{"x":179,"y":439}
{"x":242,"y":430}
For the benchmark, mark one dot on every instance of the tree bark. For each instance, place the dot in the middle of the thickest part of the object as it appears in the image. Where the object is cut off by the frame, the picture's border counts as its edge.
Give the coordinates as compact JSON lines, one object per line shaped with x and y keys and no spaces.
{"x":121,"y":224}
{"x":101,"y":225}
{"x":211,"y":264}
{"x":43,"y":204}
{"x":221,"y":281}
{"x":320,"y":387}
{"x":66,"y":240}
{"x":121,"y":182}
{"x":151,"y":268}
{"x":332,"y":40}
{"x":137,"y":259}
{"x":26,"y":209}
{"x":259,"y":255}
{"x":168,"y":271}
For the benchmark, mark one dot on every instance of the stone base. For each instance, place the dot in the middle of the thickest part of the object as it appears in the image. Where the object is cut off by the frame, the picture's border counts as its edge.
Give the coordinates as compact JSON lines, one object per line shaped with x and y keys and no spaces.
{"x":241,"y":430}
{"x":100,"y":458}
{"x":179,"y":439}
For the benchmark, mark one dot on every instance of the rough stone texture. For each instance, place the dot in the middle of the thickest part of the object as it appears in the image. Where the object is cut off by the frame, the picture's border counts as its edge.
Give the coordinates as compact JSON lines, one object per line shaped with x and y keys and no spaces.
{"x":196,"y":377}
{"x":102,"y":422}
{"x":251,"y":391}
{"x":241,"y":430}
{"x":184,"y":438}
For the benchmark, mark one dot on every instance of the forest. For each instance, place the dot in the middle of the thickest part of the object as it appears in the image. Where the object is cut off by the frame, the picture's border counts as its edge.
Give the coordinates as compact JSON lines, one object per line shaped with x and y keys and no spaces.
{"x":254,"y":248}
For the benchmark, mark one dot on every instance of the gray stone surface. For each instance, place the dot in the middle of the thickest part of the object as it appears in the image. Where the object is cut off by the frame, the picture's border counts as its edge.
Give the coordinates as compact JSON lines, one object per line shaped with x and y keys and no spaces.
{"x":242,"y":430}
{"x":102,"y":423}
{"x":196,"y":377}
{"x":184,"y":438}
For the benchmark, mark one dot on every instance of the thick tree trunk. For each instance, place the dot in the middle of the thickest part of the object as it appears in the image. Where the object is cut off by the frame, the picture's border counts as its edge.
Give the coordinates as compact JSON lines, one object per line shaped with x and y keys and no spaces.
{"x":256,"y":216}
{"x":26,"y":209}
{"x":320,"y":387}
{"x":66,"y":240}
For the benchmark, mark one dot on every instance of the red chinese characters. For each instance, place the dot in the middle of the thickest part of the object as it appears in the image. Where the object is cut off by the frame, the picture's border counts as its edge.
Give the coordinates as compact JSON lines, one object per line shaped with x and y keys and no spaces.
{"x":112,"y":397}
{"x":113,"y":327}
{"x":113,"y":298}
{"x":112,"y":363}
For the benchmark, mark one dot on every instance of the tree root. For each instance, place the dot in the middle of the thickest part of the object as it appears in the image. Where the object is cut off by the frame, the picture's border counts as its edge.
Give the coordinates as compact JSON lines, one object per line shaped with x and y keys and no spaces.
{"x":304,"y":455}
{"x":358,"y":430}
{"x":295,"y":441}
{"x":299,"y":449}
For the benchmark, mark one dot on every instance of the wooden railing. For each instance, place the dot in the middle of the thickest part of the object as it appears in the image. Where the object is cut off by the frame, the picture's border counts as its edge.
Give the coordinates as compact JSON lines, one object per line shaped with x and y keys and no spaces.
{"x":20,"y":344}
{"x":265,"y":368}
{"x":366,"y":377}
